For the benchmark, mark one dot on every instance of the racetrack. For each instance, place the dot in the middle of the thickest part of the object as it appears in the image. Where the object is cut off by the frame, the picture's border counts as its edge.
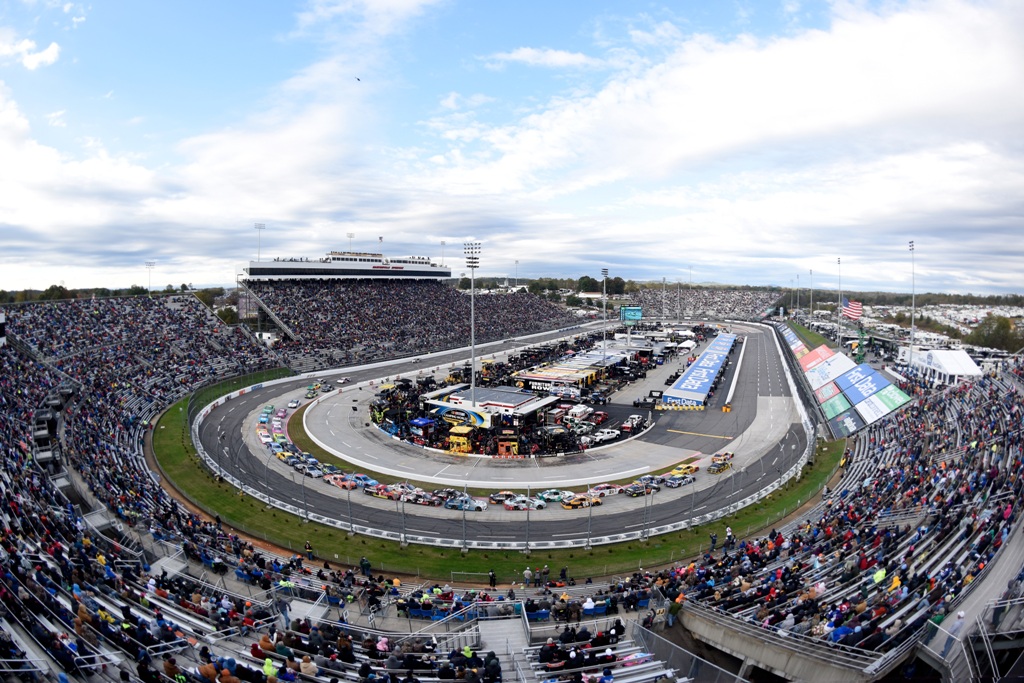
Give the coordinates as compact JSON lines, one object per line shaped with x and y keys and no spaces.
{"x":763,"y":430}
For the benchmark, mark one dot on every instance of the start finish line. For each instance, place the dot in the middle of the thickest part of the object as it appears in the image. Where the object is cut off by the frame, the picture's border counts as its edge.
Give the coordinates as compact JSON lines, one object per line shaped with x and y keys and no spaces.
{"x":694,"y":385}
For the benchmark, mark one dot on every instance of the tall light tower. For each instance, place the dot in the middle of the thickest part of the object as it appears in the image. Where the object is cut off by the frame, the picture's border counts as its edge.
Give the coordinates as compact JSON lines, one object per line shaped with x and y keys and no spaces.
{"x":260,"y":227}
{"x":350,"y":235}
{"x":604,"y":306}
{"x":798,"y":291}
{"x":913,"y":305}
{"x":472,"y":251}
{"x":517,"y":273}
{"x":811,"y":287}
{"x":664,"y":299}
{"x":149,"y":267}
{"x":442,"y":251}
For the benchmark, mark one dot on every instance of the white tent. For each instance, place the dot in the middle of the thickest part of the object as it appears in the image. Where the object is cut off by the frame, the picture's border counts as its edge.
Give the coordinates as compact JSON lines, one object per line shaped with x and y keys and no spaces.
{"x":945,"y":366}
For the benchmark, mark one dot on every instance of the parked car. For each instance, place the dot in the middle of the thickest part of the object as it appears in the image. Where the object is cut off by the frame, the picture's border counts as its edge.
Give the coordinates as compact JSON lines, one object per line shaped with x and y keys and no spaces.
{"x":645,"y":402}
{"x":599,"y":417}
{"x":581,"y":501}
{"x":524,"y":503}
{"x":603,"y":435}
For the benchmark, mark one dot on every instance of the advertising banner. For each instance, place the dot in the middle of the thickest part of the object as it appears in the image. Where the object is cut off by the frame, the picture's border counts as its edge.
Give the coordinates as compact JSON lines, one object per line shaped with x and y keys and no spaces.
{"x":872,"y":409}
{"x":826,"y":392}
{"x":835,"y":406}
{"x":818,"y":355}
{"x":892,"y":397}
{"x":868,"y":386}
{"x":695,"y":384}
{"x":846,"y":424}
{"x":828,"y":370}
{"x":861,"y":372}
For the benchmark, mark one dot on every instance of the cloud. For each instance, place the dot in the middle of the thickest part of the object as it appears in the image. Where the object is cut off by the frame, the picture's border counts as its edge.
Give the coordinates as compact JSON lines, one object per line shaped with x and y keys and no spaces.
{"x":56,"y":119}
{"x":543,"y":57}
{"x":25,"y":51}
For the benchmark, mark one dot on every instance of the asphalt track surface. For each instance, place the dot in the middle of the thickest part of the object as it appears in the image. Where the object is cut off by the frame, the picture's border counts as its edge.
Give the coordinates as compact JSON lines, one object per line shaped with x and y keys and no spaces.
{"x":763,"y":429}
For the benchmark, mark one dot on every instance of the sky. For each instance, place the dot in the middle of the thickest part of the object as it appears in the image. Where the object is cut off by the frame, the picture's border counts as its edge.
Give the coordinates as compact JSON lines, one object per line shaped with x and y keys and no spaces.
{"x":736,"y":141}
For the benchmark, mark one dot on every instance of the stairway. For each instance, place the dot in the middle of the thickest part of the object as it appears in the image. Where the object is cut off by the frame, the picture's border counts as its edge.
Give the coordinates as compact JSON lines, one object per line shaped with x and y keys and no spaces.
{"x":507,"y":639}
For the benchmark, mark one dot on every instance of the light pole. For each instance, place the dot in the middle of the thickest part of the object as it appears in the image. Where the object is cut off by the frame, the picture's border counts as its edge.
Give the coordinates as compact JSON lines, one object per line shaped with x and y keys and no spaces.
{"x":798,"y":291}
{"x":442,"y":251}
{"x":350,"y":235}
{"x":266,"y":471}
{"x":811,"y":287}
{"x":664,"y":299}
{"x":351,"y":526}
{"x":517,"y":274}
{"x":472,"y":251}
{"x":465,"y":494}
{"x":259,"y":227}
{"x":590,"y":514}
{"x":604,"y":306}
{"x":149,"y":267}
{"x":913,"y":306}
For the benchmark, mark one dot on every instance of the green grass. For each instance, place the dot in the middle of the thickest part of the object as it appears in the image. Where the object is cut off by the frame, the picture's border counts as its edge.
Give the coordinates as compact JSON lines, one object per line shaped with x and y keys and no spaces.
{"x":809,"y":337}
{"x":180,"y":464}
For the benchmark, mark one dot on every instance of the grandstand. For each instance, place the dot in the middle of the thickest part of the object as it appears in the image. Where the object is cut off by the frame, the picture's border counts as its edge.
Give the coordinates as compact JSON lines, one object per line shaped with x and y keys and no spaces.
{"x":711,"y":303}
{"x":337,"y":322}
{"x":928,"y":498}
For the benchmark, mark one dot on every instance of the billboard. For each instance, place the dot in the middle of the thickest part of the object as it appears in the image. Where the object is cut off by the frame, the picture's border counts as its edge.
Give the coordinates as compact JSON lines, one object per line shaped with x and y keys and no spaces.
{"x":818,"y":355}
{"x":630,"y":315}
{"x":861,"y":372}
{"x":828,"y":370}
{"x":693,"y":386}
{"x":845,"y":424}
{"x":868,"y":386}
{"x":835,"y":406}
{"x":826,"y":392}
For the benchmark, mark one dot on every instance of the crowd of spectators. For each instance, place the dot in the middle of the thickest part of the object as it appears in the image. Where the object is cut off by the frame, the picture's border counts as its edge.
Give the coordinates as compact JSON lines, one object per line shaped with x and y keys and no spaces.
{"x":705,"y":302}
{"x":345,"y":322}
{"x":928,"y":497}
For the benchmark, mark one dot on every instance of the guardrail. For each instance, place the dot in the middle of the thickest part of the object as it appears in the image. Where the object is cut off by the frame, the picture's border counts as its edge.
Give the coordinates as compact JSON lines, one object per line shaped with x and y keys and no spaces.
{"x":581,"y":541}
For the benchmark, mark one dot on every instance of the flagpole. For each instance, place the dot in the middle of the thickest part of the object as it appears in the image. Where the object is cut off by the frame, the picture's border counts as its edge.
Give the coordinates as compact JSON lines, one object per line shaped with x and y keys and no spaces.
{"x":812,"y":294}
{"x":839,"y":305}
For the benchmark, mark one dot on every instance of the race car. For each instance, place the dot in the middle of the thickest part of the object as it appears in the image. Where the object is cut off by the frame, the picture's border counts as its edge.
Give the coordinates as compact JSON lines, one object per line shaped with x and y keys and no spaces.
{"x":602,"y":490}
{"x":555,"y":495}
{"x":379,"y":491}
{"x":524,"y":503}
{"x":446,"y":494}
{"x":724,"y":456}
{"x":501,"y":496}
{"x":637,"y":490}
{"x":422,"y":498}
{"x":685,"y":468}
{"x":294,"y":403}
{"x":310,"y":394}
{"x":719,"y":467}
{"x":677,"y":480}
{"x":466,"y":503}
{"x":651,"y":480}
{"x":581,"y":501}
{"x":362,"y":480}
{"x":339,"y":479}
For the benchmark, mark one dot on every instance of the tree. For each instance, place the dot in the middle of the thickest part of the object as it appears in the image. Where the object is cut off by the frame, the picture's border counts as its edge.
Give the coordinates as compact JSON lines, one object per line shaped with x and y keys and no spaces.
{"x":996,"y":332}
{"x":588,"y":284}
{"x":464,"y":283}
{"x":169,"y":289}
{"x":616,"y":286}
{"x":553,"y":295}
{"x":184,"y":287}
{"x":57,"y":293}
{"x":206,"y":296}
{"x":229,"y":315}
{"x":137,"y":290}
{"x":573,"y":301}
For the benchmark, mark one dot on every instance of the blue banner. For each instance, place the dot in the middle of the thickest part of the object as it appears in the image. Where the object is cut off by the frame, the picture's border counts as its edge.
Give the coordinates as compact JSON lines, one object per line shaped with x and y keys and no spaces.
{"x":869,"y":386}
{"x":859,"y":373}
{"x":693,"y":386}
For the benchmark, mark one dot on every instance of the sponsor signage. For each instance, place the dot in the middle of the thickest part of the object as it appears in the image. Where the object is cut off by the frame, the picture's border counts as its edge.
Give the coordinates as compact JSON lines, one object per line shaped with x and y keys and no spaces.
{"x":845,"y":424}
{"x":826,"y":392}
{"x":828,"y":370}
{"x":835,"y":406}
{"x":859,"y":373}
{"x":815,"y":357}
{"x":869,"y":386}
{"x":694,"y":384}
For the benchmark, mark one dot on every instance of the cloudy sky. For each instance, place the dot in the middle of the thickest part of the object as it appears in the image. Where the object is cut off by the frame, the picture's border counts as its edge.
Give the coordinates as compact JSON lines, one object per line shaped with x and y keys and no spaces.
{"x":748,"y":142}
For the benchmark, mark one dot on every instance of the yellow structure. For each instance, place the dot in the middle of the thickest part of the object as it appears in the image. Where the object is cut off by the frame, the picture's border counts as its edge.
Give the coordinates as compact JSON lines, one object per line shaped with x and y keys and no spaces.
{"x":460,"y":439}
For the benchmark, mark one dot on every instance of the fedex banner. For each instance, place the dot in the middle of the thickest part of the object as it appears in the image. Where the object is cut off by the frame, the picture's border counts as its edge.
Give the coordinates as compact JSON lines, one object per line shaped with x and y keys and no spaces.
{"x":693,"y":386}
{"x":828,"y":370}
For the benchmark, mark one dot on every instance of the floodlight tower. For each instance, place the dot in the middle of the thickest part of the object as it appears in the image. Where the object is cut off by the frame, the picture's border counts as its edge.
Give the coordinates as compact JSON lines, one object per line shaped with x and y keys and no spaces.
{"x":604,"y":306}
{"x":442,"y":251}
{"x":472,"y":251}
{"x":259,"y":227}
{"x":149,"y":267}
{"x":350,"y":235}
{"x":913,"y":306}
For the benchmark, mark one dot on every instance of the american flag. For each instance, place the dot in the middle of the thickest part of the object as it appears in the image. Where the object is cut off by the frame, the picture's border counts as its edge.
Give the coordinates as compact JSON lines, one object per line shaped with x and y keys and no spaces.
{"x":852,"y":309}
